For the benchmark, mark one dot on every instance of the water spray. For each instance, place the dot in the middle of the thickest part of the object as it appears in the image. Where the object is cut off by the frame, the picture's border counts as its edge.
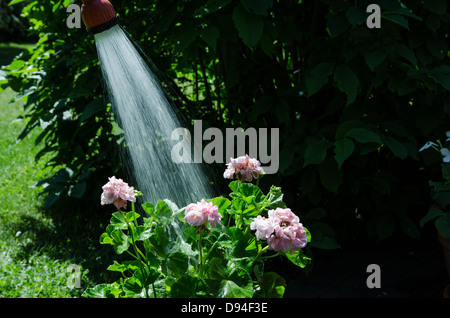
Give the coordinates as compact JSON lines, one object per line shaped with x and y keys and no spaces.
{"x":142,"y":110}
{"x":98,"y":15}
{"x":146,"y":117}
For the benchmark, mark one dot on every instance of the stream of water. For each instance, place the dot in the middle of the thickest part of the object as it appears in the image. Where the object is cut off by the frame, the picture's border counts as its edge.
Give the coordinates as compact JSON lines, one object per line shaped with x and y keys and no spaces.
{"x":147,"y":119}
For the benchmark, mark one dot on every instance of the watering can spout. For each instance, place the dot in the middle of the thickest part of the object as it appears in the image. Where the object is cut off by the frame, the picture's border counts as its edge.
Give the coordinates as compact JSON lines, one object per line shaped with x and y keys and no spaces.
{"x":98,"y":15}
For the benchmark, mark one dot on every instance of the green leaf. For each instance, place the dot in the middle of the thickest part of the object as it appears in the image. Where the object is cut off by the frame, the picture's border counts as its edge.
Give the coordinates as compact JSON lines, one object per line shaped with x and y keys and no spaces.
{"x":431,"y":215}
{"x":397,"y":148}
{"x":275,"y":199}
{"x":443,"y":225}
{"x":177,"y":264}
{"x":115,"y":237}
{"x":134,"y":285}
{"x":249,"y":192}
{"x":13,"y":2}
{"x":385,"y":226}
{"x":324,"y":236}
{"x":222,"y":203}
{"x":184,"y":35}
{"x":315,"y":152}
{"x":162,"y":213}
{"x":318,"y":77}
{"x":407,"y":225}
{"x":262,"y":105}
{"x":210,"y":35}
{"x":119,"y":222}
{"x":77,"y":191}
{"x":149,"y":208}
{"x":337,"y":24}
{"x":249,"y":26}
{"x":241,"y":245}
{"x":217,"y":269}
{"x":257,"y":6}
{"x":234,"y":185}
{"x":356,"y":16}
{"x":146,"y":275}
{"x":442,"y":199}
{"x":229,"y":289}
{"x":316,"y":214}
{"x":330,"y":175}
{"x":127,"y":265}
{"x":325,"y":242}
{"x":160,"y":243}
{"x":363,"y":135}
{"x":102,"y":291}
{"x":92,"y":108}
{"x":298,"y":258}
{"x":436,"y":6}
{"x":396,"y":18}
{"x":375,"y":58}
{"x":212,"y":6}
{"x":343,"y":149}
{"x":186,"y":286}
{"x":230,"y":280}
{"x":347,"y":82}
{"x":273,"y":285}
{"x":143,"y":232}
{"x":405,"y":52}
{"x":441,"y":75}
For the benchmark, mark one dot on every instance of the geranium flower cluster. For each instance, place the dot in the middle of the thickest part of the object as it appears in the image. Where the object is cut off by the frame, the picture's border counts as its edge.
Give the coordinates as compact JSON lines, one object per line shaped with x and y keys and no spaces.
{"x":243,"y":168}
{"x":117,"y":192}
{"x":199,"y":213}
{"x":282,"y":230}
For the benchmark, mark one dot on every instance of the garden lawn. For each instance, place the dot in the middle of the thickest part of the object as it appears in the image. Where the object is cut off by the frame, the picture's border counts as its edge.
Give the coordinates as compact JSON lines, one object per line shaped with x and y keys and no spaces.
{"x":28,"y":266}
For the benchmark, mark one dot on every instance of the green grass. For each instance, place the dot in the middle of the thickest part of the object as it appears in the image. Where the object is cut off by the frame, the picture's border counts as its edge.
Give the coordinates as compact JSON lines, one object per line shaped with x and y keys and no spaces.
{"x":33,"y":257}
{"x":9,"y":50}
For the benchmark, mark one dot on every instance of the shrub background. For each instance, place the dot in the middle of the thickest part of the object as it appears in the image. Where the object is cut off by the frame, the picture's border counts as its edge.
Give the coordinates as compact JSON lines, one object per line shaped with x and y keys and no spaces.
{"x":353,"y":104}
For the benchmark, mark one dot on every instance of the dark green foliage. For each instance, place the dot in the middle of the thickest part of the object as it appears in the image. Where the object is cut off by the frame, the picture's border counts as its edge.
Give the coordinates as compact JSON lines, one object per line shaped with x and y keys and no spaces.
{"x":13,"y":27}
{"x":353,"y":104}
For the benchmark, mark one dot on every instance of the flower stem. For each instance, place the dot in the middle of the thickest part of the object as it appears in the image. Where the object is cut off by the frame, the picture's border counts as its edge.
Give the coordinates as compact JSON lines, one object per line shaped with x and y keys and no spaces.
{"x":263,"y":202}
{"x":271,"y":256}
{"x":136,"y":249}
{"x":260,"y":253}
{"x":132,"y":209}
{"x":257,"y":180}
{"x":200,"y":269}
{"x":213,"y":247}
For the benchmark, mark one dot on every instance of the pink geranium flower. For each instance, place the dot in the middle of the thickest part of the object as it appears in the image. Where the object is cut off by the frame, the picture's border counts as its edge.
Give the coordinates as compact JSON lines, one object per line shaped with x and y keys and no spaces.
{"x":117,"y":192}
{"x":201,"y":212}
{"x":282,"y":230}
{"x":264,"y":227}
{"x":244,"y":168}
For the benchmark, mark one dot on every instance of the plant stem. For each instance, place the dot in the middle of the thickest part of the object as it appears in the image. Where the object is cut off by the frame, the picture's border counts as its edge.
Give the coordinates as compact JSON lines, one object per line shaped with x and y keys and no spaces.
{"x":200,"y":269}
{"x":136,"y":257}
{"x":213,"y":246}
{"x":242,"y":219}
{"x":271,"y":256}
{"x":136,"y":249}
{"x":262,"y":203}
{"x":132,"y":209}
{"x":261,"y":252}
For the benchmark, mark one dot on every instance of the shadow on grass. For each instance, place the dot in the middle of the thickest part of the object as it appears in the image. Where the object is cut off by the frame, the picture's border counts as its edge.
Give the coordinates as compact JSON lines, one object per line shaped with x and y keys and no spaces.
{"x":68,"y":237}
{"x":8,"y":53}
